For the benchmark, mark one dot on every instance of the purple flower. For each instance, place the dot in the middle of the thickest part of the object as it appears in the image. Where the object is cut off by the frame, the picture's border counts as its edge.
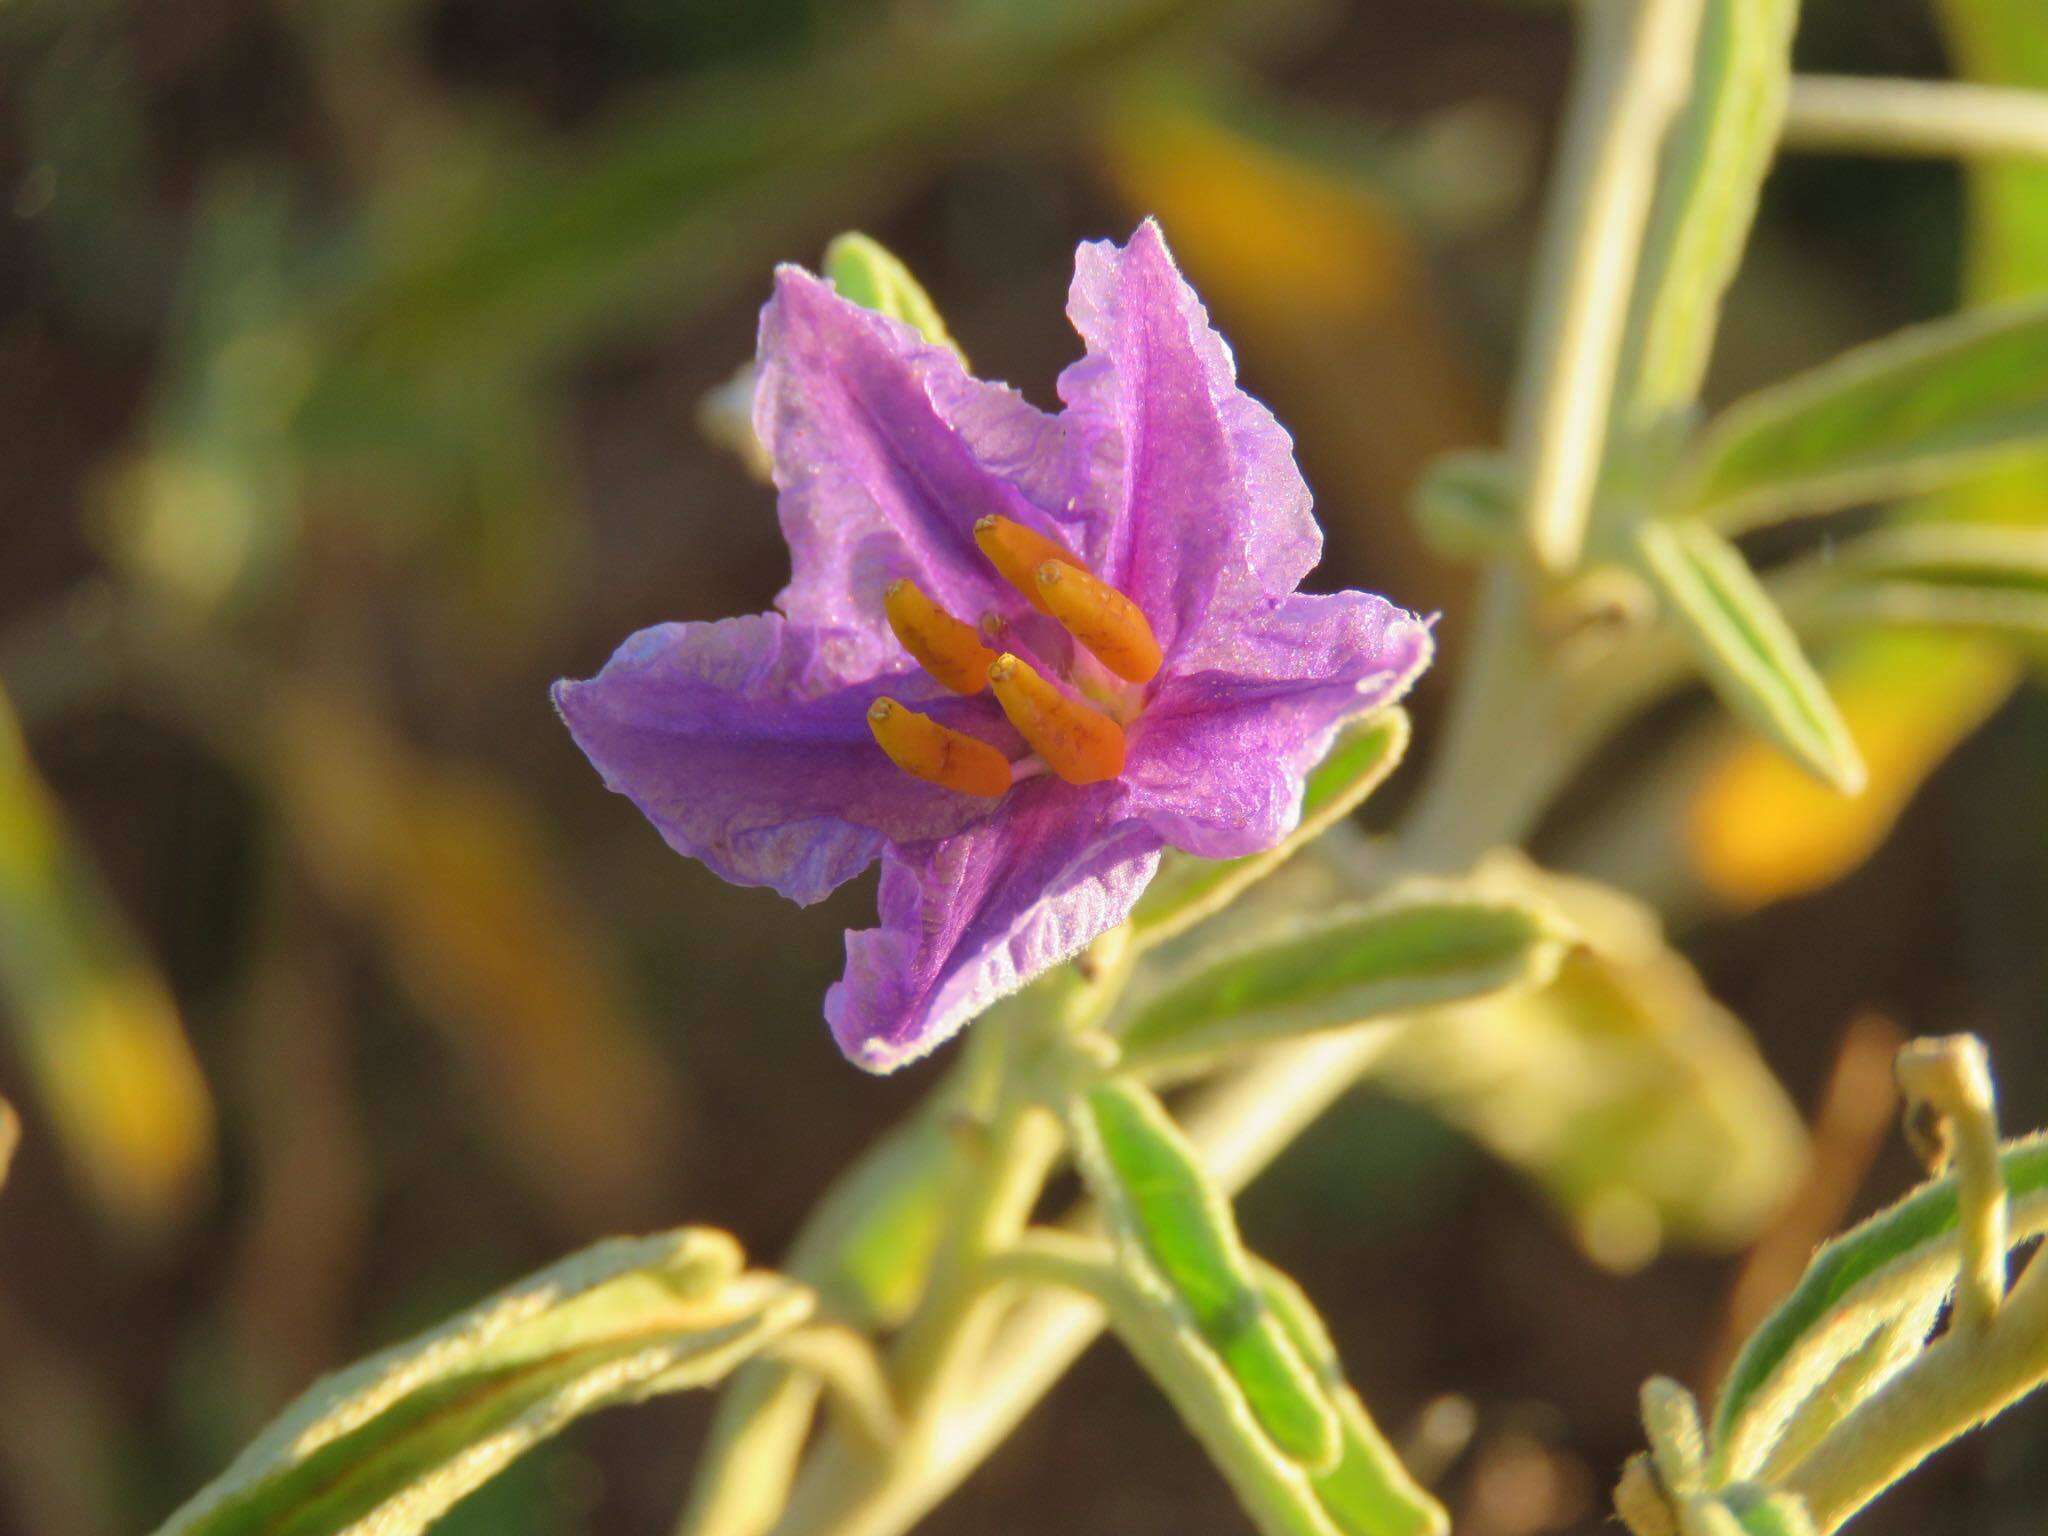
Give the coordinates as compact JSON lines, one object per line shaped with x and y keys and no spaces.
{"x":1107,"y":593}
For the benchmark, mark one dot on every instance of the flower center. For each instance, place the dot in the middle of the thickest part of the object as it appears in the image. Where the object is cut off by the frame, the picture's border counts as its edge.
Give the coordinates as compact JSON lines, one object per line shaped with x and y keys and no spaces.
{"x":1080,"y":743}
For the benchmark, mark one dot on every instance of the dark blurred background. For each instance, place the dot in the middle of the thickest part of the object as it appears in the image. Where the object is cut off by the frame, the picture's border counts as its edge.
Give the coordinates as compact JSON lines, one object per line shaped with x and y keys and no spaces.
{"x":352,"y":362}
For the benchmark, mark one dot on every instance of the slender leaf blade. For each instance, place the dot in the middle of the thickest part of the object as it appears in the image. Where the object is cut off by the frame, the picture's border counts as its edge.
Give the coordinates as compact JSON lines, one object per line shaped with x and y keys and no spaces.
{"x":1179,"y":1227}
{"x":390,"y":1444}
{"x":1747,"y":649}
{"x":1426,"y":944}
{"x":1901,"y":1251}
{"x":1715,"y":161}
{"x":1368,"y":1492}
{"x":1976,"y":576}
{"x":1911,"y":413}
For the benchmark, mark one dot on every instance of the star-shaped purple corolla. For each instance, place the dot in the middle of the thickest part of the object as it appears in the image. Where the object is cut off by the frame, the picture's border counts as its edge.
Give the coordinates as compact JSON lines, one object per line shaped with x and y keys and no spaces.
{"x":769,"y":746}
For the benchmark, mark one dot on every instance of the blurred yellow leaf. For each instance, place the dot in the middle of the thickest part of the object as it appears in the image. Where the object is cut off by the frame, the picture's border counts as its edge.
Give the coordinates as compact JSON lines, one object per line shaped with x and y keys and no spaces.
{"x":446,"y":870}
{"x":97,"y":1028}
{"x":1759,"y":829}
{"x":1633,"y":1098}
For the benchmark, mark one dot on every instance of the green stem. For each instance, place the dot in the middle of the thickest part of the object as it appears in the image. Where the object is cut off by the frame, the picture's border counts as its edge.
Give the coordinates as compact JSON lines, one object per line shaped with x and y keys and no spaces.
{"x":953,"y":1326}
{"x":1635,"y":67}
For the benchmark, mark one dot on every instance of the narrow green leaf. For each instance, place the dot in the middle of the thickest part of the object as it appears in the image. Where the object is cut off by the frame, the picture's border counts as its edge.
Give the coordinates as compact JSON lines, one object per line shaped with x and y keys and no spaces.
{"x":868,"y":1247}
{"x":1426,"y":943}
{"x":1369,"y":1492}
{"x":1985,"y":576}
{"x":866,"y":272}
{"x":1746,"y":648}
{"x":1857,"y":1281}
{"x":1188,"y":889}
{"x":389,"y":1445}
{"x":1179,"y":1226}
{"x":1714,"y":165}
{"x":1908,"y":414}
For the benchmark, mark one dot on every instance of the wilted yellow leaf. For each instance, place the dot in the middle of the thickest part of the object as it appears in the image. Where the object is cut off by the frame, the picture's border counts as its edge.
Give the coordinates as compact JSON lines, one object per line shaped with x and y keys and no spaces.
{"x":446,"y":870}
{"x":1759,"y":829}
{"x":97,"y":1027}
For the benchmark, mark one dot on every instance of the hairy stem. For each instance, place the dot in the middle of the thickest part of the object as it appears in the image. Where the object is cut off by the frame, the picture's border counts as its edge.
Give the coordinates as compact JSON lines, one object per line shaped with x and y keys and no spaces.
{"x":1958,"y":1382}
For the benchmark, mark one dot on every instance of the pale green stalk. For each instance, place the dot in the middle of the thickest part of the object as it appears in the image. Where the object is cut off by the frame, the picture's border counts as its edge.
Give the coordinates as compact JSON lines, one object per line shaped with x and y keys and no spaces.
{"x":1635,"y":65}
{"x":1924,"y":119}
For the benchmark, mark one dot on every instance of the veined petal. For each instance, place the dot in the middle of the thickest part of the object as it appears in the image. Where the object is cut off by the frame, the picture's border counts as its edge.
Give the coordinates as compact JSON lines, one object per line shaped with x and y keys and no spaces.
{"x":1195,"y":505}
{"x":886,"y":452}
{"x":1217,"y":760}
{"x":969,"y":919}
{"x":719,"y":735}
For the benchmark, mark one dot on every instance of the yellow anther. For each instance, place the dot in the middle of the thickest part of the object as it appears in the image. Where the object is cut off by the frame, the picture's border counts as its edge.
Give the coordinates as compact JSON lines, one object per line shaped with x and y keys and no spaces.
{"x":1017,"y":553}
{"x":1109,"y":624}
{"x":938,"y":754}
{"x":1077,"y":743}
{"x":943,"y":646}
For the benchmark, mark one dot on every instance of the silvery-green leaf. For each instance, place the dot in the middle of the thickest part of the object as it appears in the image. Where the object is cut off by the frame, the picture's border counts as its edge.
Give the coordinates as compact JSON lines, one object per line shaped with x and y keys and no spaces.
{"x":863,"y":270}
{"x":1188,"y":889}
{"x":1747,"y":650}
{"x":1368,"y":1492}
{"x":1426,"y":943}
{"x":1894,"y":418}
{"x":387,"y":1446}
{"x":1888,"y":1265}
{"x":1942,"y":575}
{"x":1714,"y":163}
{"x":1174,"y":1223}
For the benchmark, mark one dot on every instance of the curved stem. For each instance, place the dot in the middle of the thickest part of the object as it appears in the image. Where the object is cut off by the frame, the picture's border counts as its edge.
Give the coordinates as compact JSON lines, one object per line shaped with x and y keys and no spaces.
{"x":846,"y":1364}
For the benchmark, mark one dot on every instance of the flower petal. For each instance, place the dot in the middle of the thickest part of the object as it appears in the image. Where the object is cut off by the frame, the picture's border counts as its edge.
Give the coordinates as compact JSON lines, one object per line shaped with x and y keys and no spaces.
{"x":885,"y":452}
{"x":724,"y":736}
{"x":1194,"y":500}
{"x":1217,"y":760}
{"x":968,"y":919}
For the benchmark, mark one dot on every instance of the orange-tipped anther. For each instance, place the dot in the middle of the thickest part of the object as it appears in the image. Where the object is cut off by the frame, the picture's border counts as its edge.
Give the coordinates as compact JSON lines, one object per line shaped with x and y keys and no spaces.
{"x":1079,"y":744}
{"x":948,"y":649}
{"x":1017,"y":553}
{"x":1109,"y":624}
{"x":936,"y":753}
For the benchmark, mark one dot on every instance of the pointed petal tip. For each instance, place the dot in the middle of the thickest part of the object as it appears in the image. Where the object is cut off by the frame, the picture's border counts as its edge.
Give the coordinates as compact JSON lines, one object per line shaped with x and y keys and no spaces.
{"x":868,"y":1046}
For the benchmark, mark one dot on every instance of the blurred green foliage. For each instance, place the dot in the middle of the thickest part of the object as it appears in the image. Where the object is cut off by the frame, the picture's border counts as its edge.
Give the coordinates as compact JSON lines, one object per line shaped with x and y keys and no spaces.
{"x":339,"y":342}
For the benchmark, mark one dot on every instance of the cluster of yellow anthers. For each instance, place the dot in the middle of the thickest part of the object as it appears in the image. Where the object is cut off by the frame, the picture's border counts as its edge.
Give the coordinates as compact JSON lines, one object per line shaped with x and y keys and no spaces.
{"x":1080,"y":744}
